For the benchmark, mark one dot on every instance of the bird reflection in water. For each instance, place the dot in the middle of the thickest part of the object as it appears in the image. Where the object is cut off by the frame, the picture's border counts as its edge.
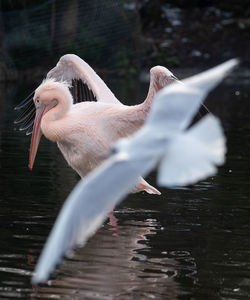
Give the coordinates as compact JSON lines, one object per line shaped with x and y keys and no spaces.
{"x":110,"y":267}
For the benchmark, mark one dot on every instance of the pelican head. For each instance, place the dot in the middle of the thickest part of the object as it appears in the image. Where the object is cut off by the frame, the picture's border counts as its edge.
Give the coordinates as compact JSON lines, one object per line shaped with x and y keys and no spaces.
{"x":52,"y":100}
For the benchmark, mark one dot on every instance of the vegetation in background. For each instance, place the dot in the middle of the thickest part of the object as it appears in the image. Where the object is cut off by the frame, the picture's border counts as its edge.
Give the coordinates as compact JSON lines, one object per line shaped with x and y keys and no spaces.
{"x":122,"y":35}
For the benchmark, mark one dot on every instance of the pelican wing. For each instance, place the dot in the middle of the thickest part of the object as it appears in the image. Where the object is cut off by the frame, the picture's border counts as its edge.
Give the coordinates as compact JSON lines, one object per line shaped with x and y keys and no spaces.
{"x":164,"y":138}
{"x":86,"y":84}
{"x":159,"y":78}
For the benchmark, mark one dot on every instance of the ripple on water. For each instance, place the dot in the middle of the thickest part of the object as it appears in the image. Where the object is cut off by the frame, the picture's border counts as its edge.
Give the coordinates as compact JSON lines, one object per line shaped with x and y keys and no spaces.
{"x":191,"y":242}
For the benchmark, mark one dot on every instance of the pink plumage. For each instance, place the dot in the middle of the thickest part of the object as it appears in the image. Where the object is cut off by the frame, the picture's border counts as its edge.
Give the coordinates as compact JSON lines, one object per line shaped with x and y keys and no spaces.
{"x":85,"y":131}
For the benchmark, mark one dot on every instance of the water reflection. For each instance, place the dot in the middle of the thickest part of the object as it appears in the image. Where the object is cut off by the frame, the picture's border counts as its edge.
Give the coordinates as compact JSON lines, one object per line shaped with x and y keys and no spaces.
{"x":190,"y":243}
{"x":113,"y":267}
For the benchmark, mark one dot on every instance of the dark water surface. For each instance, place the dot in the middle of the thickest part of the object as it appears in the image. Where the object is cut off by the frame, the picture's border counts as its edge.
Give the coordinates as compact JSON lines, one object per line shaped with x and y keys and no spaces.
{"x":189,"y":243}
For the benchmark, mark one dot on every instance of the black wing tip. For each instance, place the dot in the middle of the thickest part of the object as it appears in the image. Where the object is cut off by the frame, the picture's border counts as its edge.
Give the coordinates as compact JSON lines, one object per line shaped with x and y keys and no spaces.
{"x":81,"y":92}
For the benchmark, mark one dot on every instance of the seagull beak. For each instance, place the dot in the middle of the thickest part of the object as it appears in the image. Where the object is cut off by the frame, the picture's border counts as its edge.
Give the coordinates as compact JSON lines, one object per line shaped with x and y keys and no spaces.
{"x":36,"y":135}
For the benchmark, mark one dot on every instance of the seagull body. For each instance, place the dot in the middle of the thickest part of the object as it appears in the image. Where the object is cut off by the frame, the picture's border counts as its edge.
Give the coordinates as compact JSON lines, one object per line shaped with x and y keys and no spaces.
{"x":183,"y":155}
{"x":84,"y":131}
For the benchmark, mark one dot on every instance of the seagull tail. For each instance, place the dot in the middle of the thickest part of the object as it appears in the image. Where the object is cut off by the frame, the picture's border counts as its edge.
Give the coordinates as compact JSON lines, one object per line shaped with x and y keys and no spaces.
{"x":194,"y":155}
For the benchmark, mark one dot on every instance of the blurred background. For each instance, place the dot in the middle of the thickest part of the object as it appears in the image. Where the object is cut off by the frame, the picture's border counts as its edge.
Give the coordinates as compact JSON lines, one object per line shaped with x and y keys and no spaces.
{"x":121,"y":36}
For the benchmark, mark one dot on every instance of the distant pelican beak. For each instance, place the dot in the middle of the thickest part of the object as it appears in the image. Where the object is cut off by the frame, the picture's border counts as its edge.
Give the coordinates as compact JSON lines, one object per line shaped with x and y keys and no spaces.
{"x":36,"y":135}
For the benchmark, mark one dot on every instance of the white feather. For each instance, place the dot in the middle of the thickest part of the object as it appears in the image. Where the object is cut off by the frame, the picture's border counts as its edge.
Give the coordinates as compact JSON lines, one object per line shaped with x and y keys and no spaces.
{"x":193,"y":155}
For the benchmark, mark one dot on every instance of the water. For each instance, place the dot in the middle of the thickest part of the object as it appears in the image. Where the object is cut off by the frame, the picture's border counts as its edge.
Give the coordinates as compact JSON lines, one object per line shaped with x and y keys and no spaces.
{"x":189,"y":243}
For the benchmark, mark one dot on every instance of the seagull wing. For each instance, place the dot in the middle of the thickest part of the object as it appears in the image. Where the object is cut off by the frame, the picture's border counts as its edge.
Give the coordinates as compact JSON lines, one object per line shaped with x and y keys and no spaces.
{"x":85,"y":210}
{"x":177,"y":104}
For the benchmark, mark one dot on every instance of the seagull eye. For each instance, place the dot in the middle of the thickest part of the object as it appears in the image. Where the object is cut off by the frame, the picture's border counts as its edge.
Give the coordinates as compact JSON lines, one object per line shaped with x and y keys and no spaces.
{"x":113,"y":150}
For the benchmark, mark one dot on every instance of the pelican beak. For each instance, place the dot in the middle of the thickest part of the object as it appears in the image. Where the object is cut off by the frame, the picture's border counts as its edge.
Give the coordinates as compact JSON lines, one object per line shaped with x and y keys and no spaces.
{"x":36,"y":134}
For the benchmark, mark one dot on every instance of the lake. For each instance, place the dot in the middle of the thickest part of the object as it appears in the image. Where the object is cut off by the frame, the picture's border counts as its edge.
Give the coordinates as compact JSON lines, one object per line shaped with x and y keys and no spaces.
{"x":188,"y":243}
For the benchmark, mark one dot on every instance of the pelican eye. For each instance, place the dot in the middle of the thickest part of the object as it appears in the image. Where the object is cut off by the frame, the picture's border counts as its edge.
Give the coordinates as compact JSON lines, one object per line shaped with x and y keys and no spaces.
{"x":38,"y":103}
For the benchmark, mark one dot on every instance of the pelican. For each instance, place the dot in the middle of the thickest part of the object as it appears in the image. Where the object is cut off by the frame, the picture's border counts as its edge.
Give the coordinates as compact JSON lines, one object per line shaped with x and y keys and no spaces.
{"x":74,"y":108}
{"x":183,"y":155}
